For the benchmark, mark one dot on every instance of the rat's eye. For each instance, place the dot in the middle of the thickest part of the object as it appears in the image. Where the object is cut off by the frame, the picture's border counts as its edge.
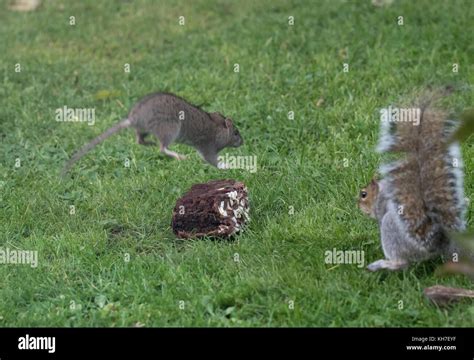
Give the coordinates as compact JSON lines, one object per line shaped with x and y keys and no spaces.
{"x":363,"y":194}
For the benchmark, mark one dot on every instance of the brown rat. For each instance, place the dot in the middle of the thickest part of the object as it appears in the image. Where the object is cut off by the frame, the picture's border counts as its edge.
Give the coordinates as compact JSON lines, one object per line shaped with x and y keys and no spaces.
{"x":173,"y":119}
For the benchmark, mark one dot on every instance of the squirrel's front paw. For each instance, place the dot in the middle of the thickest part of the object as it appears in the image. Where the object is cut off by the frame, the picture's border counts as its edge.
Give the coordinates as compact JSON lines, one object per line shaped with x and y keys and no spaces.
{"x":387,"y":265}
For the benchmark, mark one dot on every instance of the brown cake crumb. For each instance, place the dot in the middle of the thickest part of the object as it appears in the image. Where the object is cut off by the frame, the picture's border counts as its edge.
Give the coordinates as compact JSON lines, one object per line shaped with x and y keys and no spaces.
{"x":219,"y":208}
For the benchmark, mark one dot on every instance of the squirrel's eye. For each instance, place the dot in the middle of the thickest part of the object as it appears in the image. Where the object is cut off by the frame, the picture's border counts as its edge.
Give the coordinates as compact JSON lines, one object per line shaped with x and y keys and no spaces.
{"x":363,"y":194}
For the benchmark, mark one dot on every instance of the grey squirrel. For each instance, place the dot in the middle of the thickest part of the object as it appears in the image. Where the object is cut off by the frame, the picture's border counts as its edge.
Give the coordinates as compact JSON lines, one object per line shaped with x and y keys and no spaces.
{"x":173,"y":119}
{"x":421,"y":196}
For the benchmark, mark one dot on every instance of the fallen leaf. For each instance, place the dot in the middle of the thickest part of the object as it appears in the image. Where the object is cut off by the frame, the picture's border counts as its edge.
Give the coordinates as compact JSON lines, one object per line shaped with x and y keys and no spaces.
{"x":443,"y":295}
{"x":343,"y":53}
{"x":106,"y":94}
{"x":25,"y":5}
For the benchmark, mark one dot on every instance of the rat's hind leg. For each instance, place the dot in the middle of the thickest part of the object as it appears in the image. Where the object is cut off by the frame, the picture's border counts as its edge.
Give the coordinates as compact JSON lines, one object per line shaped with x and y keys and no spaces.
{"x":168,"y":152}
{"x":165,"y":141}
{"x":141,"y":139}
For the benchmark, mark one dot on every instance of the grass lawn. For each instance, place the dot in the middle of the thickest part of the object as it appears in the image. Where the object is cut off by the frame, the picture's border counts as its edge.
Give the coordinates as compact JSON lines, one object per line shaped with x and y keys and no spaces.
{"x":303,"y":194}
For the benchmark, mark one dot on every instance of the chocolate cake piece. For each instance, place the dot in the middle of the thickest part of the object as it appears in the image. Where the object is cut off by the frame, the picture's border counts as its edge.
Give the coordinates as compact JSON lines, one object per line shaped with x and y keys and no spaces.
{"x":219,"y":208}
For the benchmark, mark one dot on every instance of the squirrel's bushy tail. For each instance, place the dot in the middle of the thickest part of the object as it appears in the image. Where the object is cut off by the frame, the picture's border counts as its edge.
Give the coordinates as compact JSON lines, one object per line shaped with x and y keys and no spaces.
{"x":427,"y":183}
{"x":125,"y":123}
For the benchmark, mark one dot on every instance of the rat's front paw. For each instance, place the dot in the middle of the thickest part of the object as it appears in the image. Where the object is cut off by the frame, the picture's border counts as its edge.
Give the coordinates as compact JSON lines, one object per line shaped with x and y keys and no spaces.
{"x":387,"y":265}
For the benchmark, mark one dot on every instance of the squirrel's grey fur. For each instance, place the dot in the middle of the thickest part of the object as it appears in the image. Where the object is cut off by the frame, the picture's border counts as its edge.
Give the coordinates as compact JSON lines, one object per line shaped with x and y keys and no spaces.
{"x":420,"y":198}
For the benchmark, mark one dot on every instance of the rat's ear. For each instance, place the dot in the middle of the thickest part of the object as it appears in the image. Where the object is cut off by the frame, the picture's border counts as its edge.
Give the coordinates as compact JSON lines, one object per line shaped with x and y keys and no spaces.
{"x":228,"y":123}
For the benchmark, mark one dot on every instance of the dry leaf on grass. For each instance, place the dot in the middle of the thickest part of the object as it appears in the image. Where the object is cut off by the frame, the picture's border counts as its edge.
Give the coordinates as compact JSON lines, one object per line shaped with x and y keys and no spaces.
{"x":24,"y":5}
{"x":443,"y":295}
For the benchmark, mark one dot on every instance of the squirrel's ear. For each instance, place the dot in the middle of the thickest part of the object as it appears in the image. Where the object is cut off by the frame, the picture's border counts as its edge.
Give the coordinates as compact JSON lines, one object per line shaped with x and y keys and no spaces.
{"x":228,"y":123}
{"x":374,"y":181}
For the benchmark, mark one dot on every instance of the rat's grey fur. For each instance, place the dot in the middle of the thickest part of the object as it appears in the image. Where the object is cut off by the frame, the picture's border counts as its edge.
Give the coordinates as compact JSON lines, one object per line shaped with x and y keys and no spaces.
{"x":173,"y":119}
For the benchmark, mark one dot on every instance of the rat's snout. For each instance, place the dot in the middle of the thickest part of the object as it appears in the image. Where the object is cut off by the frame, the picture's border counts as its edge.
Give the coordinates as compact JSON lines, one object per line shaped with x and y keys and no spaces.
{"x":236,"y":139}
{"x":238,"y":142}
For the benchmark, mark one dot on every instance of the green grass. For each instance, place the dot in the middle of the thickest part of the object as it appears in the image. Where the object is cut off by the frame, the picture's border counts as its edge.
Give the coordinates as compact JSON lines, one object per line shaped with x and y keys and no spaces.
{"x":82,"y":278}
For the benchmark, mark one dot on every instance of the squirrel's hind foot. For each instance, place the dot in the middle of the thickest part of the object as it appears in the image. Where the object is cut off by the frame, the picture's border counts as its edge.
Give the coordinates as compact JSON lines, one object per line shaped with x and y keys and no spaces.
{"x":387,"y":265}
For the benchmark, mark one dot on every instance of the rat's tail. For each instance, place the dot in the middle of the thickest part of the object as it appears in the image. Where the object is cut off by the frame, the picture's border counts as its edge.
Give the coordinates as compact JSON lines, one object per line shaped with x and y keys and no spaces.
{"x":125,"y":123}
